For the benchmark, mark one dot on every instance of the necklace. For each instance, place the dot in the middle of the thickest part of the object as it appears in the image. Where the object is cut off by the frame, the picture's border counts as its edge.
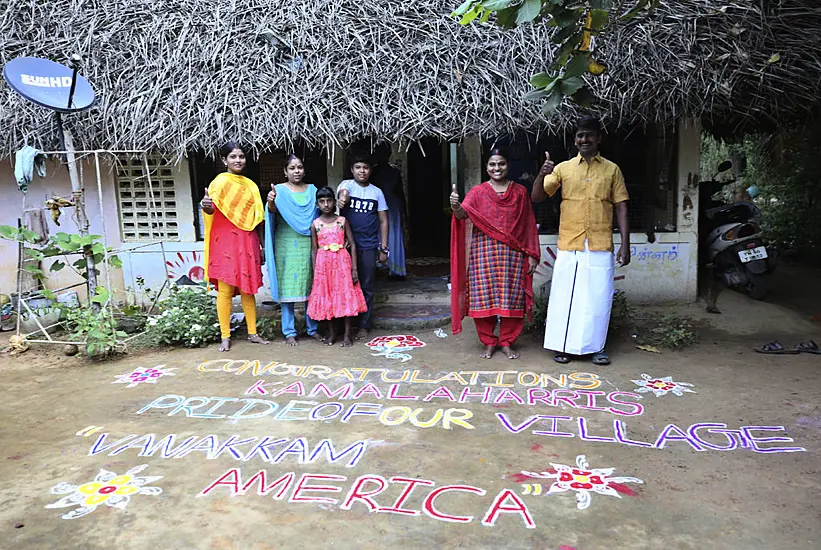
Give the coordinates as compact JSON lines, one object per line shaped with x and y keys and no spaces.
{"x":503,"y":189}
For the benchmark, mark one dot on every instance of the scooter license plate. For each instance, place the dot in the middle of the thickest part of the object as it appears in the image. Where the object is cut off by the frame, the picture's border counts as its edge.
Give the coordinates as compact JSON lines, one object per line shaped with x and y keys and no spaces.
{"x":758,"y":253}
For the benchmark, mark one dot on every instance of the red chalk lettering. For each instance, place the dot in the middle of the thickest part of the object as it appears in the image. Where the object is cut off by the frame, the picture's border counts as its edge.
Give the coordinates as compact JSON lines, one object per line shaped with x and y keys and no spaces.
{"x":259,"y":478}
{"x":302,"y":487}
{"x":397,"y":506}
{"x":232,"y":478}
{"x":394,"y":393}
{"x":634,"y":409}
{"x":466,"y":394}
{"x":259,"y":388}
{"x":499,"y":507}
{"x":368,"y":388}
{"x":430,"y":509}
{"x":441,"y":391}
{"x":345,"y":391}
{"x":591,"y":400}
{"x":558,"y":397}
{"x":295,"y":388}
{"x":356,"y":492}
{"x":508,"y":395}
{"x":535,"y":395}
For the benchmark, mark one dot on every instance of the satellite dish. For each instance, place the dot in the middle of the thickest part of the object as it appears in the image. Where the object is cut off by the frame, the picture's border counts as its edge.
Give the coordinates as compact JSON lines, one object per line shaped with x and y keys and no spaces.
{"x":49,"y":84}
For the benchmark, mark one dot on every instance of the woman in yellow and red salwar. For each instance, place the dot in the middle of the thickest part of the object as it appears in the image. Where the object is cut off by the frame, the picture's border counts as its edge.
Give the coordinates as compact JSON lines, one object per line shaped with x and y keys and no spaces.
{"x":233,"y":255}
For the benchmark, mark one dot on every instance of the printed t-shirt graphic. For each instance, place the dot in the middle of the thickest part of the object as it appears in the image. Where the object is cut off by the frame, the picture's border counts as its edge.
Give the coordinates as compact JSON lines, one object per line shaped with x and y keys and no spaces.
{"x":362,"y":213}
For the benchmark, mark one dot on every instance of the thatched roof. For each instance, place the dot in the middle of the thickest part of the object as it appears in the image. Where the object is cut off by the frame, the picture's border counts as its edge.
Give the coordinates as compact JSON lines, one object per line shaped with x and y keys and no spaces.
{"x":174,"y":76}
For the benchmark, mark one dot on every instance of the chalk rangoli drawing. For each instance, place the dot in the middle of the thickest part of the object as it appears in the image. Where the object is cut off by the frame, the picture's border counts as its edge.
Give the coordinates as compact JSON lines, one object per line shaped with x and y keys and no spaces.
{"x":393,"y":346}
{"x":662,"y":386}
{"x":584,"y":480}
{"x":143,"y":375}
{"x":107,"y":488}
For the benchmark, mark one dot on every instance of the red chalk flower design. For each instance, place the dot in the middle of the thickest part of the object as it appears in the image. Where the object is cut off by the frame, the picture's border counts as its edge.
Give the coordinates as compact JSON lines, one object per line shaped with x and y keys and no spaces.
{"x":393,"y":346}
{"x":143,"y":375}
{"x":107,"y":488}
{"x":662,"y":386}
{"x":584,"y":480}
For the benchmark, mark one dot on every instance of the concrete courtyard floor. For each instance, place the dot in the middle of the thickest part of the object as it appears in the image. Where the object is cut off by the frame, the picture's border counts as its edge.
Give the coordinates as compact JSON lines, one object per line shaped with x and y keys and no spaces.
{"x":70,"y":435}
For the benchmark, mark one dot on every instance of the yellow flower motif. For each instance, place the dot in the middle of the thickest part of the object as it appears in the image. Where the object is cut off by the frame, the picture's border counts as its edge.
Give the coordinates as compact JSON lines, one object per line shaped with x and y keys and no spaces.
{"x":99,"y":492}
{"x":333,"y":247}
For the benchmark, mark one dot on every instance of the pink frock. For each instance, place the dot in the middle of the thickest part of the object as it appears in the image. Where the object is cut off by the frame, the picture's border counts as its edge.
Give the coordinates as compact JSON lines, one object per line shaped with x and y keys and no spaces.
{"x":334,"y":295}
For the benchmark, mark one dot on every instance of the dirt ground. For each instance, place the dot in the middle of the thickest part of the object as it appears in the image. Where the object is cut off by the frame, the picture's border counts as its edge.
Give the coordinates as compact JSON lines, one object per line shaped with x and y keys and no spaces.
{"x":66,"y":426}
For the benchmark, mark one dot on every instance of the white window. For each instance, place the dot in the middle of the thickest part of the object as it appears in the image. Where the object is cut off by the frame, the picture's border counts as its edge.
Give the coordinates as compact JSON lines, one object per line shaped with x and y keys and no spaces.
{"x":148,"y":212}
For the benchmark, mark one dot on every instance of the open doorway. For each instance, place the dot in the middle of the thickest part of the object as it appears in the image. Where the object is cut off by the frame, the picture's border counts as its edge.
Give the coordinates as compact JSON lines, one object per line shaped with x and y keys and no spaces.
{"x":428,"y":207}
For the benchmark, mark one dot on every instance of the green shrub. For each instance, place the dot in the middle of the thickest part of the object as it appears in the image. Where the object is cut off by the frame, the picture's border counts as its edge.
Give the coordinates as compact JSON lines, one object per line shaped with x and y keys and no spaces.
{"x":188,"y":317}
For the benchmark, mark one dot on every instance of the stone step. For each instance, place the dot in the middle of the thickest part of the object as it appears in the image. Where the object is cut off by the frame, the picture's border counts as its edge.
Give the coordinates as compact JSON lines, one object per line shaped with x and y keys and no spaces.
{"x":410,"y":317}
{"x":412,"y":291}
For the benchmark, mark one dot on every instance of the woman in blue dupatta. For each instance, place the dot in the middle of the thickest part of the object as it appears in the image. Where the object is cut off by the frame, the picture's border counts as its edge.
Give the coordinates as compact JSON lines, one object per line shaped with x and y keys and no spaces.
{"x":291,"y":210}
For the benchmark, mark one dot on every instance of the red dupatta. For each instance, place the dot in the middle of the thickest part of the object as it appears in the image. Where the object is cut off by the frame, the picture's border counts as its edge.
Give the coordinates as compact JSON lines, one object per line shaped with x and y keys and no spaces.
{"x":508,"y":219}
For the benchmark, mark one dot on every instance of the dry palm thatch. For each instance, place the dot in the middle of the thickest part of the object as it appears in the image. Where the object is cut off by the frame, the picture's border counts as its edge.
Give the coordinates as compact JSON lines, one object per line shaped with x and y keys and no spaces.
{"x":176,"y":76}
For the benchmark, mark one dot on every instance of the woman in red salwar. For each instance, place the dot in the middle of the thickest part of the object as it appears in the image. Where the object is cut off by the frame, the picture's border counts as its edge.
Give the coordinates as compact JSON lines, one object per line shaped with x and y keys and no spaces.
{"x":492,"y":263}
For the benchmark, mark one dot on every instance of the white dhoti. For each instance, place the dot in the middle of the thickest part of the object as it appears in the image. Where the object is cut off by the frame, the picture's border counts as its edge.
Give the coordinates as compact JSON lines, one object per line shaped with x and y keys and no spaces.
{"x":581,"y":296}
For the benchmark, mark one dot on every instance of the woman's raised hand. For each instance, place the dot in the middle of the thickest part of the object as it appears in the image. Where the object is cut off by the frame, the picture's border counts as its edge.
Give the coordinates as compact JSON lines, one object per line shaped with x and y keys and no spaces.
{"x":455,"y":204}
{"x":272,"y":194}
{"x":207,"y":203}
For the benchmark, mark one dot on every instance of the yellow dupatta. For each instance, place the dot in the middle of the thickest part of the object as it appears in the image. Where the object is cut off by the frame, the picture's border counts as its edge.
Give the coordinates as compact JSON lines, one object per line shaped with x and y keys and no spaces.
{"x":238,"y":199}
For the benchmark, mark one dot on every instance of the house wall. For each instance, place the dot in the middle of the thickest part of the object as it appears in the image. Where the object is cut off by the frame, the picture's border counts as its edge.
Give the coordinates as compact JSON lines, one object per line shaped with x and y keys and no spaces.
{"x":665,"y":270}
{"x":662,"y":271}
{"x":57,"y":183}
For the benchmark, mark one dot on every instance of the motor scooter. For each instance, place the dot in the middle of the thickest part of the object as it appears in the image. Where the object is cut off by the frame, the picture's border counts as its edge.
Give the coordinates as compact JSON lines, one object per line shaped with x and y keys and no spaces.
{"x":732,"y":243}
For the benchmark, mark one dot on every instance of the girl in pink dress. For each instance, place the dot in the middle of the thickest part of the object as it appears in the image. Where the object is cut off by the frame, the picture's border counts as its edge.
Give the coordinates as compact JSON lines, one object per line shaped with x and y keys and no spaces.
{"x":335,"y":291}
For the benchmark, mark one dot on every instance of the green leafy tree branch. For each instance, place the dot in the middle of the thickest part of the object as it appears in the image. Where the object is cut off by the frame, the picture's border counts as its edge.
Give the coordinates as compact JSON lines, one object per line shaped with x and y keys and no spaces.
{"x":578,"y":24}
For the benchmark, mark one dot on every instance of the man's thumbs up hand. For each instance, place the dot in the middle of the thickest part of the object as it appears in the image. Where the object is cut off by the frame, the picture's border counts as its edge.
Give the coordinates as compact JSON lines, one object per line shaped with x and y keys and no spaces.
{"x":547,"y":167}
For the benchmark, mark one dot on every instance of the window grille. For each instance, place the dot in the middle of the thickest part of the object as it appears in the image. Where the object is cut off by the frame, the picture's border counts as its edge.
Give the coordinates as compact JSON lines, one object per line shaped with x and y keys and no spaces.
{"x":143,"y":217}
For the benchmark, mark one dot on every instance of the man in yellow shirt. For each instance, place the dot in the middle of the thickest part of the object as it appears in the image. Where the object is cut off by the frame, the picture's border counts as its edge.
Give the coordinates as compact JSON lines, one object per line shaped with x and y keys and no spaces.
{"x":581,"y":291}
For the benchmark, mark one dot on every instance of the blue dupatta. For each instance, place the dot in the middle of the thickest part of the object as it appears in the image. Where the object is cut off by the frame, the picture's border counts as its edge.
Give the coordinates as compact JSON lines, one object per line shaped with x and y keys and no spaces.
{"x":299,"y":217}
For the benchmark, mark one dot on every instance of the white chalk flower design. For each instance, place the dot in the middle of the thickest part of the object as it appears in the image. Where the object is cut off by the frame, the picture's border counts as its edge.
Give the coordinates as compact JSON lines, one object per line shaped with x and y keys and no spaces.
{"x":584,"y":480}
{"x":107,"y":488}
{"x":143,"y":375}
{"x":662,"y":386}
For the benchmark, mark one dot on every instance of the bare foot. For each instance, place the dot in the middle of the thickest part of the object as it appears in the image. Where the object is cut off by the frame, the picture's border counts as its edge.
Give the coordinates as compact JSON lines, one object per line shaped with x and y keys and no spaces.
{"x":507,"y":350}
{"x":226,"y":344}
{"x":257,"y":339}
{"x":346,"y":342}
{"x":330,"y":340}
{"x":362,"y":334}
{"x":713,"y":309}
{"x":488,"y":353}
{"x":291,"y":341}
{"x":316,"y":336}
